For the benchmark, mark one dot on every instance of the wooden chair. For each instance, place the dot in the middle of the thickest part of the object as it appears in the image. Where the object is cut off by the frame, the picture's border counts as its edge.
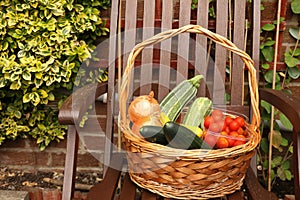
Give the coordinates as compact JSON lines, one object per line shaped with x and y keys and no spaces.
{"x":166,"y":14}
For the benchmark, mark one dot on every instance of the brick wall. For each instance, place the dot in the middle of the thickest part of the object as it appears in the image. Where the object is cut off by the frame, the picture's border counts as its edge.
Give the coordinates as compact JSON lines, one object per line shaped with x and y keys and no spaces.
{"x":24,"y":154}
{"x":286,"y":40}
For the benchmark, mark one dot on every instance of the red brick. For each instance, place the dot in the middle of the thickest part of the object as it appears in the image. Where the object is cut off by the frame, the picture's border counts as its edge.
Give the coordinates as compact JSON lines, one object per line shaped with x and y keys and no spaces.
{"x":31,"y":143}
{"x":269,"y":13}
{"x":58,"y":159}
{"x":80,"y":195}
{"x":88,"y":160}
{"x":287,"y":38}
{"x":52,"y":194}
{"x":42,"y":159}
{"x":94,"y":142}
{"x":93,"y":125}
{"x":34,"y":193}
{"x":296,"y":91}
{"x":61,"y":144}
{"x":18,"y":143}
{"x":16,"y":158}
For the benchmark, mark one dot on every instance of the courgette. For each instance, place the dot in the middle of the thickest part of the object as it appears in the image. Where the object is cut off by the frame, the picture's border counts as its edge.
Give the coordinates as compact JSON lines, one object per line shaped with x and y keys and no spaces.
{"x":195,"y":129}
{"x":197,"y":111}
{"x":153,"y":134}
{"x":177,"y":98}
{"x":182,"y":138}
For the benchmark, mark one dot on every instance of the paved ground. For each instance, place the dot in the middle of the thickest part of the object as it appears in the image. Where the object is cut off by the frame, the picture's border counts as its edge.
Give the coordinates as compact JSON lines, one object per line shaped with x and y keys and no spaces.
{"x":13,"y":195}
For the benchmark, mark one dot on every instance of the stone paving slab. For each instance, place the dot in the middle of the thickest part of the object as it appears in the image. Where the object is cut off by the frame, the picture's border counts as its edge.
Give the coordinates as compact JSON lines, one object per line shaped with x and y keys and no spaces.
{"x":13,"y":195}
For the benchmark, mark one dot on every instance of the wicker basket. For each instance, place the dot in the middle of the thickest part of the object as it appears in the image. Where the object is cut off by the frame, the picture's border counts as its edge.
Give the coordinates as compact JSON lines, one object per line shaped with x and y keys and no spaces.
{"x":188,"y":174}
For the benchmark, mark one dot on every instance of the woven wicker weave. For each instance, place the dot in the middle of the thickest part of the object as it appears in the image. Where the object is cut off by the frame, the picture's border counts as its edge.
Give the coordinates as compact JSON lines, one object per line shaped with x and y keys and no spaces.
{"x":188,"y":174}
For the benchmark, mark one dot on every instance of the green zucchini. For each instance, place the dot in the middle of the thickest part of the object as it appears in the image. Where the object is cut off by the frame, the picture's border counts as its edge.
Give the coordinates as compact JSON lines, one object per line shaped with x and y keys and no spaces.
{"x":177,"y":98}
{"x":182,"y":138}
{"x":197,"y":111}
{"x":153,"y":134}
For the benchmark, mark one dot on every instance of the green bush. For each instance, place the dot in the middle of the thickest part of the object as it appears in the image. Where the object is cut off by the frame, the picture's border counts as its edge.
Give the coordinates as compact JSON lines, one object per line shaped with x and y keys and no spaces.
{"x":42,"y":45}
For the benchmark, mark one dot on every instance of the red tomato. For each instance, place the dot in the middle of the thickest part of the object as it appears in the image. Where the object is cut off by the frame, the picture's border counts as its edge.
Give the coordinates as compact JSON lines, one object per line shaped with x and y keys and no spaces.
{"x":240,"y":131}
{"x":228,"y":120}
{"x":210,"y":139}
{"x":215,"y":127}
{"x":234,"y":125}
{"x":217,"y":115}
{"x":222,"y":143}
{"x":227,"y":130}
{"x":240,"y":120}
{"x":222,"y":125}
{"x":207,"y":121}
{"x":231,"y":140}
{"x":240,"y":142}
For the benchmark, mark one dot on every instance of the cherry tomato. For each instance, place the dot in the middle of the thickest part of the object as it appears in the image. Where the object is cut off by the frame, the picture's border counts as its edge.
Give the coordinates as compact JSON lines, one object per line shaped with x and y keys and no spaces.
{"x":207,"y":121}
{"x":210,"y":139}
{"x":241,"y":141}
{"x":222,"y":143}
{"x":232,"y":138}
{"x":222,"y":125}
{"x":217,"y":115}
{"x":234,"y":125}
{"x":227,"y":129}
{"x":240,"y":131}
{"x":240,"y":120}
{"x":228,"y":120}
{"x":215,"y":127}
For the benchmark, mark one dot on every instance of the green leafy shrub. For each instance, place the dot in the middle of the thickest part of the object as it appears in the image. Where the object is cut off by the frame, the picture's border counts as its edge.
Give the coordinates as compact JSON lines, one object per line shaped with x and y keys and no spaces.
{"x":42,"y":45}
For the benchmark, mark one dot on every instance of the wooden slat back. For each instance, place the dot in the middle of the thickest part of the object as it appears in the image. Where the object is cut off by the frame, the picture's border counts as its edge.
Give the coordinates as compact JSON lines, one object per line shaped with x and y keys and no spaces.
{"x":208,"y":60}
{"x":147,"y":55}
{"x":183,"y":42}
{"x":237,"y":72}
{"x":165,"y":50}
{"x":220,"y":53}
{"x":201,"y":49}
{"x":129,"y":32}
{"x":111,"y":80}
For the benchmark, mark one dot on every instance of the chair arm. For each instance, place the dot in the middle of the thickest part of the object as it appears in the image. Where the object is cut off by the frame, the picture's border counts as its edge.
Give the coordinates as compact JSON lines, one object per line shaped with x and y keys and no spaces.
{"x":286,"y":103}
{"x":74,"y":107}
{"x":290,"y":106}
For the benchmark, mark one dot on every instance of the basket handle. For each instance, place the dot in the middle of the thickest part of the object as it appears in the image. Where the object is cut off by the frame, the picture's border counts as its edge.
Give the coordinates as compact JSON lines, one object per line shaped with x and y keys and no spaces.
{"x":253,"y":86}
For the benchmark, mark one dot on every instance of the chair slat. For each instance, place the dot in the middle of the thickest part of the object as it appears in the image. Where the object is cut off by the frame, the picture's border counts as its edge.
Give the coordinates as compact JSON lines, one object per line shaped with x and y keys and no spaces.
{"x":147,"y":195}
{"x":256,"y":34}
{"x":201,"y":44}
{"x":129,"y":34}
{"x":111,"y":78}
{"x":165,"y":50}
{"x":237,"y":92}
{"x":128,"y":190}
{"x":71,"y":162}
{"x":221,"y":54}
{"x":183,"y":41}
{"x":129,"y":29}
{"x":108,"y":186}
{"x":147,"y":54}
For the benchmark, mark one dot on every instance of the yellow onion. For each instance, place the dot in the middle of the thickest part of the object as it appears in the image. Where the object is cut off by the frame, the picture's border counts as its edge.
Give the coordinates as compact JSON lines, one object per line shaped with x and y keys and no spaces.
{"x":144,"y":110}
{"x":143,"y":107}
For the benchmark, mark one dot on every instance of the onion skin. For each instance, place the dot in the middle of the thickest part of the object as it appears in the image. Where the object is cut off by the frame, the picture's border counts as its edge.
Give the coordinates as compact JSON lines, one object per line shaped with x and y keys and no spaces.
{"x":143,"y":108}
